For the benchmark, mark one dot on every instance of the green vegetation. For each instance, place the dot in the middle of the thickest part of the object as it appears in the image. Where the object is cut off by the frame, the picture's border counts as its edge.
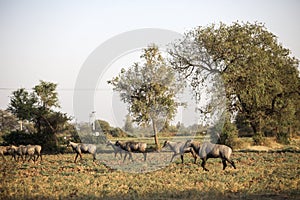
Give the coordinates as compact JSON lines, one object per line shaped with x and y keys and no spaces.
{"x":37,"y":108}
{"x":260,"y":76}
{"x":149,"y":89}
{"x":229,"y":134}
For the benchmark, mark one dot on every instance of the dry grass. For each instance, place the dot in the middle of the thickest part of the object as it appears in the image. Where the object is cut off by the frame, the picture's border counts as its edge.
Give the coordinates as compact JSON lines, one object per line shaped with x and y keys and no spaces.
{"x":270,"y":144}
{"x":258,"y":176}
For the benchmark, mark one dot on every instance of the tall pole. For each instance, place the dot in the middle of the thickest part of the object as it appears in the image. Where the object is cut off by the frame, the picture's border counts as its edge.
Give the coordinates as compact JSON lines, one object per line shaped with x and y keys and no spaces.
{"x":92,"y":120}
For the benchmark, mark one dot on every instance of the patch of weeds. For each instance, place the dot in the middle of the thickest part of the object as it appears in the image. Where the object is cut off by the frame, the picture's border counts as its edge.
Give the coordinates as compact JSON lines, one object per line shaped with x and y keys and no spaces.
{"x":60,"y":162}
{"x":71,"y":166}
{"x":24,"y":166}
{"x":67,"y":173}
{"x":44,"y":173}
{"x":101,"y":170}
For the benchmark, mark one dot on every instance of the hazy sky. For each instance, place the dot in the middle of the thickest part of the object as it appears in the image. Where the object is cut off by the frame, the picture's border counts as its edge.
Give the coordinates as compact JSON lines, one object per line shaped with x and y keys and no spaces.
{"x":51,"y":39}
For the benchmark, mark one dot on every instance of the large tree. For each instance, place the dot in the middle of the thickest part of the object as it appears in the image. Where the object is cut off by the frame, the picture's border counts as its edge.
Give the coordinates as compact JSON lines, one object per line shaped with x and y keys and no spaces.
{"x":39,"y":107}
{"x":21,"y":105}
{"x":149,"y":88}
{"x":47,"y":95}
{"x":260,"y":76}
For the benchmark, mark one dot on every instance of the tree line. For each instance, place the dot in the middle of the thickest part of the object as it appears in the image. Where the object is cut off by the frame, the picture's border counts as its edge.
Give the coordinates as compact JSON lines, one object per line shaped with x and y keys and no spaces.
{"x":242,"y":67}
{"x":259,"y":76}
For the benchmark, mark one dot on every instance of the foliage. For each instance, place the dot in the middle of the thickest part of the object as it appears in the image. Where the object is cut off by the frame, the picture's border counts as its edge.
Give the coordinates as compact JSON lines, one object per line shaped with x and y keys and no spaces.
{"x":128,"y":126}
{"x":8,"y":122}
{"x":38,"y":108}
{"x":258,"y":138}
{"x":117,"y":132}
{"x":243,"y":126}
{"x":229,"y":134}
{"x":21,"y":104}
{"x":46,"y":94}
{"x":149,"y":89}
{"x":102,"y":127}
{"x":283,"y":137}
{"x":68,"y":134}
{"x":21,"y":137}
{"x":261,"y":78}
{"x":105,"y":128}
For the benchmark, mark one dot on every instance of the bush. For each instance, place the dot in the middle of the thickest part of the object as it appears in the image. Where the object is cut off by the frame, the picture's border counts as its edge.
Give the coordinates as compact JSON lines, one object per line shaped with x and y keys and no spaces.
{"x":241,"y":143}
{"x":47,"y":141}
{"x":229,"y":134}
{"x":117,"y":132}
{"x":283,"y":137}
{"x":258,"y":138}
{"x":103,"y":126}
{"x":20,"y":137}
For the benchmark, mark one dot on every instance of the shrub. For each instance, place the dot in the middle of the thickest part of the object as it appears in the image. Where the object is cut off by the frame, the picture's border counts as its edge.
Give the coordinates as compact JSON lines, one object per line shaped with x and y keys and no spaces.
{"x":258,"y":138}
{"x":241,"y":143}
{"x":229,"y":134}
{"x":48,"y":141}
{"x":117,"y":132}
{"x":20,"y":137}
{"x":283,"y":137}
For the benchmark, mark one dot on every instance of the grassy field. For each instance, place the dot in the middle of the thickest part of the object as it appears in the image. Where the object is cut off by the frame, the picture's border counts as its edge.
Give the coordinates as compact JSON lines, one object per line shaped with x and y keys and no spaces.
{"x":258,"y":176}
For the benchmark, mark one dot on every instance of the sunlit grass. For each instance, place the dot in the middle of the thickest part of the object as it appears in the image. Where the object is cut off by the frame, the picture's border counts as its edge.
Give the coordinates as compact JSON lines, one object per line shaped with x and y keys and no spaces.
{"x":258,"y":176}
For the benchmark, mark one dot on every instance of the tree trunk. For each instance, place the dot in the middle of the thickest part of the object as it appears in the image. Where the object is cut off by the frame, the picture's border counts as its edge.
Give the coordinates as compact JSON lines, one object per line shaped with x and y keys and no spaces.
{"x":155,"y":134}
{"x":254,"y":127}
{"x":258,"y":135}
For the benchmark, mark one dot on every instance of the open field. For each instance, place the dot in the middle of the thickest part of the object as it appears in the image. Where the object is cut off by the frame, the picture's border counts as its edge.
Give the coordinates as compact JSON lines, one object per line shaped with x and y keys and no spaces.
{"x":258,"y":176}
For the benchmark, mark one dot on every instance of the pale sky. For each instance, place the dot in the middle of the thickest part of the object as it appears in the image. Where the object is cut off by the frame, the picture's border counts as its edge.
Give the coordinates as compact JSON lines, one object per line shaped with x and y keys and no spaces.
{"x":51,"y":39}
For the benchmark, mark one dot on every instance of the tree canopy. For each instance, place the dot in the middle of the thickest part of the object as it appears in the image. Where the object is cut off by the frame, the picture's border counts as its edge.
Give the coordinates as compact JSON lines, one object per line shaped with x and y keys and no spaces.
{"x":260,"y":76}
{"x":21,"y":103}
{"x":38,"y":107}
{"x":149,"y":88}
{"x":47,"y":95}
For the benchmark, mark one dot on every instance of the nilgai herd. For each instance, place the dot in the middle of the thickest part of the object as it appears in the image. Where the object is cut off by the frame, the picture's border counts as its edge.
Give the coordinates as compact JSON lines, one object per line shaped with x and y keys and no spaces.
{"x":204,"y":151}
